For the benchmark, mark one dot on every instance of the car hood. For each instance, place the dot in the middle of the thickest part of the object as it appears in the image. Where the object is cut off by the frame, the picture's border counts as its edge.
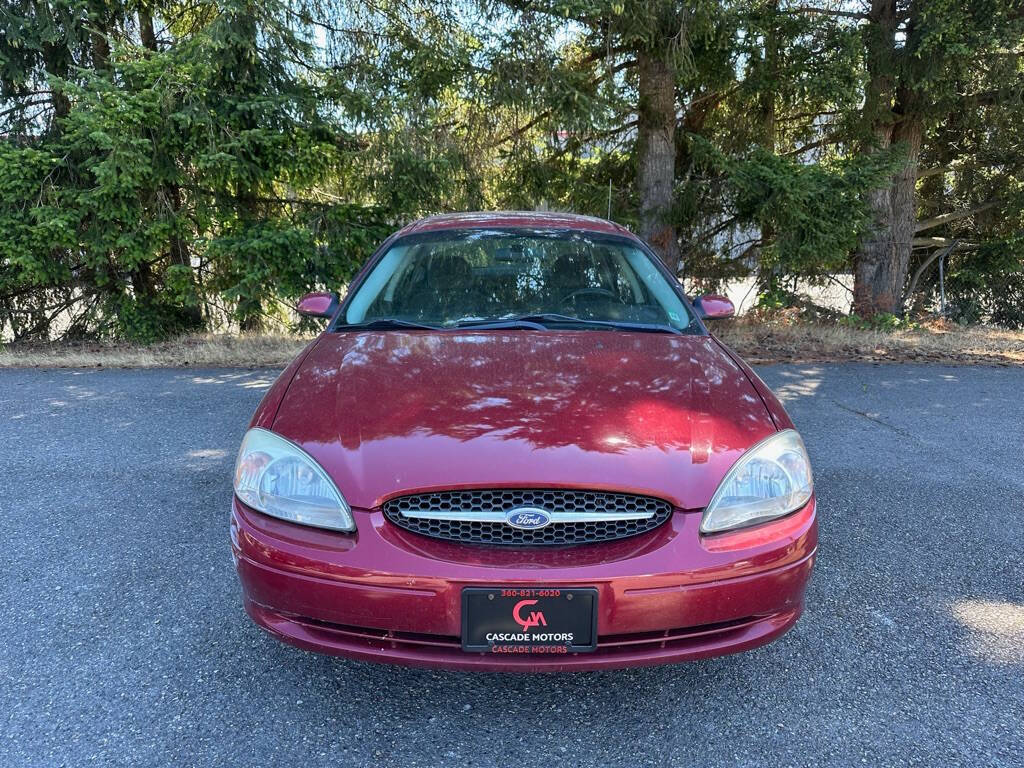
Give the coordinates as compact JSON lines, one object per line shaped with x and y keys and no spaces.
{"x":395,"y":412}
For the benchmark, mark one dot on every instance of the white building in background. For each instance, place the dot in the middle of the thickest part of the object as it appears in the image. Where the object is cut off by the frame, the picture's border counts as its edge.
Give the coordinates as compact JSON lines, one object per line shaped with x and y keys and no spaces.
{"x":836,"y":295}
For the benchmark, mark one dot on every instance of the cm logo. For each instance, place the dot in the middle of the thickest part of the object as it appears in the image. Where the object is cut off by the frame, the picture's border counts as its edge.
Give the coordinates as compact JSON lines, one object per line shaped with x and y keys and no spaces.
{"x":535,"y":619}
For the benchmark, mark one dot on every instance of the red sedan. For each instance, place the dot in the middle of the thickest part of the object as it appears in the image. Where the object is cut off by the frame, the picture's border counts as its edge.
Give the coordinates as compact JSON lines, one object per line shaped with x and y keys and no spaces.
{"x":517,"y":447}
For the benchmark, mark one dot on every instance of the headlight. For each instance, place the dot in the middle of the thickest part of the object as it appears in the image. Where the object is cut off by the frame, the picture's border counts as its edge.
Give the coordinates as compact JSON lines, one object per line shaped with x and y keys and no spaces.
{"x":278,"y":478}
{"x":770,"y":480}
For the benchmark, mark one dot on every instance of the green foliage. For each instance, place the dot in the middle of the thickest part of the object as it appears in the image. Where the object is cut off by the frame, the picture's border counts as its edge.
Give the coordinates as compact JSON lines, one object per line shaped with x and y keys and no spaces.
{"x":817,"y":211}
{"x":169,"y":189}
{"x":251,"y":150}
{"x":882,"y":321}
{"x":986,"y":284}
{"x":775,"y":296}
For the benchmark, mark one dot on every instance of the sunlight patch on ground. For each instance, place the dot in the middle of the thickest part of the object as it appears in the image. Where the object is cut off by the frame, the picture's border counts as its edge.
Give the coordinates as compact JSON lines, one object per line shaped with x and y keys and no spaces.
{"x":256,"y":383}
{"x":996,"y":629}
{"x":80,"y":393}
{"x":244,"y":380}
{"x":798,"y":384}
{"x":208,"y":453}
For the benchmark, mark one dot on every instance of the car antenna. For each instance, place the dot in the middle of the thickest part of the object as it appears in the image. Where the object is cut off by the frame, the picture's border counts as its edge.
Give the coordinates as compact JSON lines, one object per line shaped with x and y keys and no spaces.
{"x":609,"y":199}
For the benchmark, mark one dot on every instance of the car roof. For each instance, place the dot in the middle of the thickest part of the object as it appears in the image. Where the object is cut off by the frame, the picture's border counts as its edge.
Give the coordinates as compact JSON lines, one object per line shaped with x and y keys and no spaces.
{"x":515,"y":220}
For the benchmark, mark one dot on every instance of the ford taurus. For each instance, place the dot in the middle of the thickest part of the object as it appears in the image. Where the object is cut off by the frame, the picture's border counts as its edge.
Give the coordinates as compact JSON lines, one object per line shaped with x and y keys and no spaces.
{"x":516,"y":446}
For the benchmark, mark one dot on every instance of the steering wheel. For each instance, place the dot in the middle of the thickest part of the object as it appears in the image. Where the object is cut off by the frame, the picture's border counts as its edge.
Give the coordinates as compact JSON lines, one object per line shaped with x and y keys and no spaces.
{"x":591,"y":292}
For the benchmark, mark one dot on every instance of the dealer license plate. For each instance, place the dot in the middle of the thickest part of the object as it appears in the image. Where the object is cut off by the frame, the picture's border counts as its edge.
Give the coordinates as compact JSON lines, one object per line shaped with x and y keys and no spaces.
{"x":529,"y":620}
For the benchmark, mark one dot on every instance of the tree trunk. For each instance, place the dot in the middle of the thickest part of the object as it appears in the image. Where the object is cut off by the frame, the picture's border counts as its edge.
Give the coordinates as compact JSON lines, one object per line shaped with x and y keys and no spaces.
{"x":873,"y":289}
{"x":147,"y":32}
{"x":251,"y":320}
{"x":55,"y":61}
{"x":904,"y":203}
{"x":142,"y":285}
{"x":99,"y":23}
{"x":656,"y":156}
{"x":872,"y":285}
{"x":770,"y":67}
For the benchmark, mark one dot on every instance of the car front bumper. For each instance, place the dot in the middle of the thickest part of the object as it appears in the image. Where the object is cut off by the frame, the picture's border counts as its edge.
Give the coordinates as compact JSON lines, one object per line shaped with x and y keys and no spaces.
{"x":384,"y":594}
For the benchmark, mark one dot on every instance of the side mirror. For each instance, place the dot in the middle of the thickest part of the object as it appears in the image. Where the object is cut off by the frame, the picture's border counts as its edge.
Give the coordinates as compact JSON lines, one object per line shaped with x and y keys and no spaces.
{"x":318,"y":304}
{"x":712,"y":306}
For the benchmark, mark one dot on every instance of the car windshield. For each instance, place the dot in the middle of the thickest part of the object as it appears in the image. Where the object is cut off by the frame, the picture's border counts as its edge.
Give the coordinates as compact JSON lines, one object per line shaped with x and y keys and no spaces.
{"x":537,"y":278}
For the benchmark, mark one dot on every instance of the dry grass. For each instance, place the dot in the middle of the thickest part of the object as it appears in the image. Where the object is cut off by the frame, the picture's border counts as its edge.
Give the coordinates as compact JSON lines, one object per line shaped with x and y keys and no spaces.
{"x":206,"y":350}
{"x":808,"y":343}
{"x":757,"y":342}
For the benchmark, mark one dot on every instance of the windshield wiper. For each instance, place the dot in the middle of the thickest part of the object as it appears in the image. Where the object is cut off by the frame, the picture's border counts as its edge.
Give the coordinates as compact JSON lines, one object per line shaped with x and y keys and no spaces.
{"x":512,"y":322}
{"x":536,"y":322}
{"x":554,"y":317}
{"x":387,"y":323}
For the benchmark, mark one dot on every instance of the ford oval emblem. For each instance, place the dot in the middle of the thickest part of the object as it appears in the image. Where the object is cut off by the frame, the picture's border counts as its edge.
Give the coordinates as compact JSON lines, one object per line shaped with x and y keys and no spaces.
{"x":528,"y":518}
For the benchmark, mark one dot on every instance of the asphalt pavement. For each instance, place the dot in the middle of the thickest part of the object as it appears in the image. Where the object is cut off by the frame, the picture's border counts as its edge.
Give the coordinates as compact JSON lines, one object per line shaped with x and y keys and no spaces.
{"x":123,"y":640}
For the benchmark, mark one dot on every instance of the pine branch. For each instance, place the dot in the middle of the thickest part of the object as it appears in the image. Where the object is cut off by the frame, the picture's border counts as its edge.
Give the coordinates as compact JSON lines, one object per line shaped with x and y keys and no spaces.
{"x":548,"y":112}
{"x":823,"y":142}
{"x":804,"y":115}
{"x":945,"y":218}
{"x":826,"y":12}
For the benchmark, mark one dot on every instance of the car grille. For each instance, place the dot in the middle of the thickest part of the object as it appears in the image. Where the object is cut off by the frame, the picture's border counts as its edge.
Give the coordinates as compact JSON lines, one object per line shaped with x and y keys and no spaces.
{"x":478,"y":516}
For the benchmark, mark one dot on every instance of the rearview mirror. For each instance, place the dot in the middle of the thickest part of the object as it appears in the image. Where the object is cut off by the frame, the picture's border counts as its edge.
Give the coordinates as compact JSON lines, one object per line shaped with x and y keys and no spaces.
{"x":712,"y":306}
{"x":320,"y":304}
